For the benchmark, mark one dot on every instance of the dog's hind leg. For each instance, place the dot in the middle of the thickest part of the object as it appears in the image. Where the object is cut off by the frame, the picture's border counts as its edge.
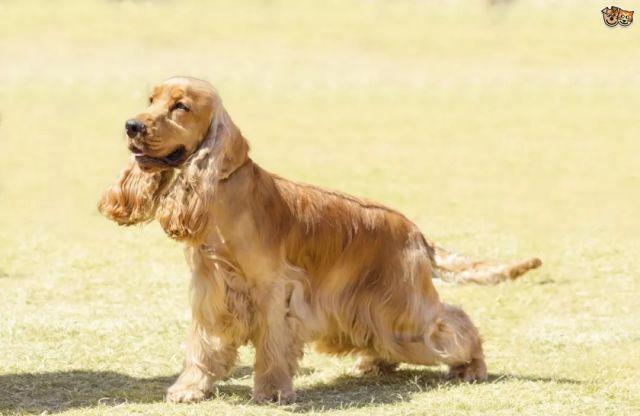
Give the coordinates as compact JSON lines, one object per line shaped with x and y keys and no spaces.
{"x":451,"y":339}
{"x":456,"y":341}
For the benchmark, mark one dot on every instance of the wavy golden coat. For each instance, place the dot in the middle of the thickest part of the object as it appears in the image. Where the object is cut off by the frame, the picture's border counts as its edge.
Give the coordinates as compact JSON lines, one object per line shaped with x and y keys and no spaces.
{"x":280,"y":264}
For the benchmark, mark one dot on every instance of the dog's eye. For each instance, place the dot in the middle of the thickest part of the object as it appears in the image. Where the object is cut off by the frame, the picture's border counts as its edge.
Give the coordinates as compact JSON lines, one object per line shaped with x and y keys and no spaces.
{"x":150,"y":100}
{"x":179,"y":106}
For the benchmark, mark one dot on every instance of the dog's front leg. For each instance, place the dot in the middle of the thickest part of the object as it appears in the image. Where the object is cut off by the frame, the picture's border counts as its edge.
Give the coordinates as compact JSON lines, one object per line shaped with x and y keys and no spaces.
{"x":278,"y":343}
{"x":221,"y":321}
{"x":209,"y":358}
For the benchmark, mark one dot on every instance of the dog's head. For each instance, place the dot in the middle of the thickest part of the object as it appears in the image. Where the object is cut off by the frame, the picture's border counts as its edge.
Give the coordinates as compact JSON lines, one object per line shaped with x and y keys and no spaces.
{"x":185,"y":128}
{"x":174,"y":124}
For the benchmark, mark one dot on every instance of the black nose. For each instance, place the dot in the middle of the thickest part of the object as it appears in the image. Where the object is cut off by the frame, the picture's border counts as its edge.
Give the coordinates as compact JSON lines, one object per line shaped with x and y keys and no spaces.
{"x":134,"y":127}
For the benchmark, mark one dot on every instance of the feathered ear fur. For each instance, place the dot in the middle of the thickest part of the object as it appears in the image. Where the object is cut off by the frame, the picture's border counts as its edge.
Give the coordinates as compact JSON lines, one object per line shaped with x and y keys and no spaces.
{"x":134,"y":197}
{"x":183,"y":212}
{"x":232,"y":149}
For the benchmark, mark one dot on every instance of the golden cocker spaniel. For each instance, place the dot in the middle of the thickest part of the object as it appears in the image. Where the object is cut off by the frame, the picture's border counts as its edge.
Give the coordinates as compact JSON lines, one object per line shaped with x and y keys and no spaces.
{"x":281,"y":264}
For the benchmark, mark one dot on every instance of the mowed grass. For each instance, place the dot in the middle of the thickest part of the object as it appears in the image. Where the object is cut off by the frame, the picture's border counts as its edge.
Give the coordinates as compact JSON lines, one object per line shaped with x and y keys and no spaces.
{"x":503,"y":132}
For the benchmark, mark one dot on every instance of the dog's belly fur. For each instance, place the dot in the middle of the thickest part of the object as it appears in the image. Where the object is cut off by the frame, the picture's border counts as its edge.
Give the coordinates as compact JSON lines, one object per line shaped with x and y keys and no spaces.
{"x":338,"y":313}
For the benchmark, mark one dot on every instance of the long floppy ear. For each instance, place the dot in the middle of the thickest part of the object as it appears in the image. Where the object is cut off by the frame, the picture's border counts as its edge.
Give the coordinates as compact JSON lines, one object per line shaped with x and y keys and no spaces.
{"x":231,"y":149}
{"x":183,"y":213}
{"x":134,"y":197}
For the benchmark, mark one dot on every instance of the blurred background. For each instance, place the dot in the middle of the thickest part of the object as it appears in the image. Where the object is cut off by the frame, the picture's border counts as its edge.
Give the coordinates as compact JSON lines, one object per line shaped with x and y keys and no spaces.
{"x":503,"y":129}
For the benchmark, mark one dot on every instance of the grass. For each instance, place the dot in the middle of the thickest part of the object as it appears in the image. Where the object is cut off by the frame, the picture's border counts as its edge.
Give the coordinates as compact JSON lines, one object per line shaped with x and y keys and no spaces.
{"x":502,"y":132}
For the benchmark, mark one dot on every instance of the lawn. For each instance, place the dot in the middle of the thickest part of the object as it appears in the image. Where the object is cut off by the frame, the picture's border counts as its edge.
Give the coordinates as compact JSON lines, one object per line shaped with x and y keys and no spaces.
{"x":503,"y":131}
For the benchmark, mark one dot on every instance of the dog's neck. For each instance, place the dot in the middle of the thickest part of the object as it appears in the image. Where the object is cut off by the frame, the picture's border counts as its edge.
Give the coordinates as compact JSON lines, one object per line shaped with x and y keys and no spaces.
{"x":177,"y":170}
{"x":246,"y":162}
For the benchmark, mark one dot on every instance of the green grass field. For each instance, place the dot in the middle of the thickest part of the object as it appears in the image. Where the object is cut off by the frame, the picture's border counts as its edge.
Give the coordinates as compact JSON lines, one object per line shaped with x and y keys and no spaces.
{"x":503,"y":132}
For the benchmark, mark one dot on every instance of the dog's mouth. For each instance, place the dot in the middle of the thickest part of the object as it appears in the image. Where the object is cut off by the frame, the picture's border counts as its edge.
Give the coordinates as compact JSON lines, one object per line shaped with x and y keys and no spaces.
{"x":172,"y":160}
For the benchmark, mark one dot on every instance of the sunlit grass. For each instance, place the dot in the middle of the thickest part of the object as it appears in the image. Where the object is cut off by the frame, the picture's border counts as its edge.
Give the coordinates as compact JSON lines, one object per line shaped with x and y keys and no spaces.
{"x":502,"y":132}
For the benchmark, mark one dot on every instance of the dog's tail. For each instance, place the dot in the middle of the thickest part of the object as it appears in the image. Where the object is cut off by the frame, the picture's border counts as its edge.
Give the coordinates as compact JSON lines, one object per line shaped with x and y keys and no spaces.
{"x":455,"y":268}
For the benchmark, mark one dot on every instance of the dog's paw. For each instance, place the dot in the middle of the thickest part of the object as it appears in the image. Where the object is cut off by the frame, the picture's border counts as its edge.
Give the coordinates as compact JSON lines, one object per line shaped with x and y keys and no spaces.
{"x":286,"y":397}
{"x":282,"y":397}
{"x":184,"y":394}
{"x":475,"y":370}
{"x":373,"y":367}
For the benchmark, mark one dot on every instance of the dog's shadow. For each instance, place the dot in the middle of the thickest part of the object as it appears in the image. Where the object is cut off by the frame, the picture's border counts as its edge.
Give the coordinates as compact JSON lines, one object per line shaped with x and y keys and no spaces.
{"x":59,"y":391}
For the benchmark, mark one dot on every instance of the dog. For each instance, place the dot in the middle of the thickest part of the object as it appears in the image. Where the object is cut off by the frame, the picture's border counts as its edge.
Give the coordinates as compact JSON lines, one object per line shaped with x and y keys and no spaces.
{"x":281,"y":264}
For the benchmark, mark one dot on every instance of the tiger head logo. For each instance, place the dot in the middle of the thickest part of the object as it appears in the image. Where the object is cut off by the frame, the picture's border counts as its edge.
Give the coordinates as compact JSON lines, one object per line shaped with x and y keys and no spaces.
{"x":614,"y":15}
